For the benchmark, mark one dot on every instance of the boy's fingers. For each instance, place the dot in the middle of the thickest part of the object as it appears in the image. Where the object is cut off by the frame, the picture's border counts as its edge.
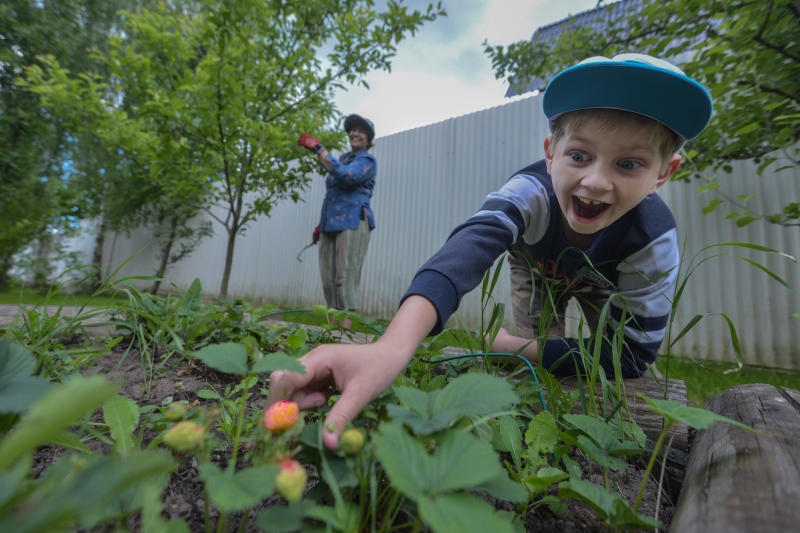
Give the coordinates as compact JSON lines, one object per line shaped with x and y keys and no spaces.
{"x":342,"y":413}
{"x":283,"y":384}
{"x":311,"y":400}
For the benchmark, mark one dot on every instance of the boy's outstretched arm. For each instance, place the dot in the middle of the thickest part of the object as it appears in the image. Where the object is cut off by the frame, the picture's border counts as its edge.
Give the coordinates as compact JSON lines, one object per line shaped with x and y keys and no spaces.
{"x":505,"y":342}
{"x":359,"y":372}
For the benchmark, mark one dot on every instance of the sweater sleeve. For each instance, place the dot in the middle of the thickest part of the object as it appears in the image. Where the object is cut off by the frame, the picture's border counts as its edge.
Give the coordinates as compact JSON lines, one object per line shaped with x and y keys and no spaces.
{"x":471,"y":249}
{"x":358,"y":171}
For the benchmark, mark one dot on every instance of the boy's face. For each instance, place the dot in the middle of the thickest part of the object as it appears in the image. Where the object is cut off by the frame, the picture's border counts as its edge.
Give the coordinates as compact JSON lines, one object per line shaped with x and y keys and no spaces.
{"x":601,"y":173}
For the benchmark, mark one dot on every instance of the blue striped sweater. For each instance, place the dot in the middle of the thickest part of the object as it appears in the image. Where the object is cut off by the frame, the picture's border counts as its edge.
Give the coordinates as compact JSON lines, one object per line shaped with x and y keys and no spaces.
{"x":635,"y":260}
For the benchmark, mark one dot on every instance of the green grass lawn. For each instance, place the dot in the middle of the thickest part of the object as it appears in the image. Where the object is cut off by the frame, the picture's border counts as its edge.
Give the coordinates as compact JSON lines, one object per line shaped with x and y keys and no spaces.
{"x":26,"y":296}
{"x":706,"y":381}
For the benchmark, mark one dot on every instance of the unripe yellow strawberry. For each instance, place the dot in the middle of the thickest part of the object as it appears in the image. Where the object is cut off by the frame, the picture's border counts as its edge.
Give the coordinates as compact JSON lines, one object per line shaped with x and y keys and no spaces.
{"x":352,"y":441}
{"x":185,"y":436}
{"x":291,"y":480}
{"x":281,"y":416}
{"x":176,"y":411}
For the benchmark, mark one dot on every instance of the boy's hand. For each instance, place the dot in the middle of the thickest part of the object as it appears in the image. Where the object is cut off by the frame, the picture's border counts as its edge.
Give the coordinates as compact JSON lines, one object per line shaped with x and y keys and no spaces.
{"x":360,"y":372}
{"x":310,"y":143}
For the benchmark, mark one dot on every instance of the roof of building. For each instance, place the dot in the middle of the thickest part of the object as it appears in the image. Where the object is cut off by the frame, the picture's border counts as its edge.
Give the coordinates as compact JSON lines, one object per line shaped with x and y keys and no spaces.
{"x":596,"y":18}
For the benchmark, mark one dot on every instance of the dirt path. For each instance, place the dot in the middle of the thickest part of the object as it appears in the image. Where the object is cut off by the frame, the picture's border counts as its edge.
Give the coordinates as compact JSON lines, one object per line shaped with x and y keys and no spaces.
{"x":11,"y":313}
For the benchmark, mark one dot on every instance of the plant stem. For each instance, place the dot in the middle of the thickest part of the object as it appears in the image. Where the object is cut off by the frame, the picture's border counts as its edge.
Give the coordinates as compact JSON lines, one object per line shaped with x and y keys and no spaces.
{"x":651,"y":463}
{"x":661,"y":476}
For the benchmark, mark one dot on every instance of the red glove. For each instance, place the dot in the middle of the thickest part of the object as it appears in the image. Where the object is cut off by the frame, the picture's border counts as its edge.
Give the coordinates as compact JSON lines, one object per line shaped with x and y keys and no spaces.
{"x":310,"y":143}
{"x":315,"y":236}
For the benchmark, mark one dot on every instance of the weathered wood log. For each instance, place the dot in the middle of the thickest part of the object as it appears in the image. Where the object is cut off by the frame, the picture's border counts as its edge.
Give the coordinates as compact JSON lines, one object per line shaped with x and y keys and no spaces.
{"x":651,"y":422}
{"x":737,"y":481}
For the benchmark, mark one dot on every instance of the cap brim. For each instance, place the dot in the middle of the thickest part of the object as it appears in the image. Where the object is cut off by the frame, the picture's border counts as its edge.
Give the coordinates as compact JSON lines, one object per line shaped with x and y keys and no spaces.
{"x":675,"y":100}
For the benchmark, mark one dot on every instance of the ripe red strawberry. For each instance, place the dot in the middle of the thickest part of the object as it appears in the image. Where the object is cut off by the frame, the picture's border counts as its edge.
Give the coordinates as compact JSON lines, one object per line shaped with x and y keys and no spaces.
{"x":291,"y":480}
{"x":280,"y":416}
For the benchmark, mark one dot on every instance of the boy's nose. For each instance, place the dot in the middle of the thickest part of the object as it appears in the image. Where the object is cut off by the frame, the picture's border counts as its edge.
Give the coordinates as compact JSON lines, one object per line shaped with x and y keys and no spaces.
{"x":595,"y":179}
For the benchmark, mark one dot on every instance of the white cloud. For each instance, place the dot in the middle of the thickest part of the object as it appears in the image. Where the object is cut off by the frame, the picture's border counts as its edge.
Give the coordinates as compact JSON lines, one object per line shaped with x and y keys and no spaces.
{"x":442,"y":72}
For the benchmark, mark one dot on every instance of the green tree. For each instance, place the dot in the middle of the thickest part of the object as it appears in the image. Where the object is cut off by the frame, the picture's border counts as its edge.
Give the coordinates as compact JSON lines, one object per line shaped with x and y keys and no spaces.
{"x":35,"y":197}
{"x":217,"y":94}
{"x":747,"y":53}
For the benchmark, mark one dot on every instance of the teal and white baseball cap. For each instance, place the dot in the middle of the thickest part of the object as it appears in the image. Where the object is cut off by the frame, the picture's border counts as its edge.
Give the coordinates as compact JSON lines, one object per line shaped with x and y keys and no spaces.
{"x":631,"y":82}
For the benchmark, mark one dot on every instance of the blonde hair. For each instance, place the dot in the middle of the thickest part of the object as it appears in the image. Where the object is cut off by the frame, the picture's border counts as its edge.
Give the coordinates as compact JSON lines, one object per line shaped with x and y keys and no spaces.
{"x":665,"y":141}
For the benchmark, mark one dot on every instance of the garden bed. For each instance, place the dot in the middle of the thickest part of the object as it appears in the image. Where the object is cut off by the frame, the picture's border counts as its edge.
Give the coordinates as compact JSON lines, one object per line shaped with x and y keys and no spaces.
{"x":515,"y":464}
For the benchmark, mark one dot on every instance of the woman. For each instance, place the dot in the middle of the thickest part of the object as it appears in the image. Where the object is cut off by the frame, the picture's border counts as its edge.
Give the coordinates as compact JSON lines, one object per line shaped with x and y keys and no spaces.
{"x":347,"y":218}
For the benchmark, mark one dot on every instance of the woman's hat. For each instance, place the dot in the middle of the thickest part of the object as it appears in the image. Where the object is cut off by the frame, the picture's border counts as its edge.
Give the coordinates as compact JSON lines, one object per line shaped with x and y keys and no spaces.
{"x":631,"y":82}
{"x":357,"y":120}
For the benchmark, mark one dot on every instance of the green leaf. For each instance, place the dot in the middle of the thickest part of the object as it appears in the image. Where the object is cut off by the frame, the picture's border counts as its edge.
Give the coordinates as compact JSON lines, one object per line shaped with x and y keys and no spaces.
{"x":544,"y":477}
{"x":462,"y":513}
{"x":542,"y":435}
{"x":121,"y":415}
{"x":712,"y":205}
{"x":507,"y":437}
{"x":600,"y":455}
{"x":278,"y":361}
{"x":342,"y":518}
{"x":79,"y":487}
{"x":12,"y":480}
{"x":60,"y":408}
{"x":503,"y":488}
{"x":18,"y":388}
{"x":468,"y":395}
{"x":403,"y":457}
{"x":208,"y":394}
{"x":691,"y":416}
{"x":609,"y":506}
{"x":748,"y":128}
{"x":296,"y":339}
{"x":234,"y":491}
{"x":67,"y":439}
{"x":228,"y":357}
{"x":283,"y":519}
{"x":604,"y":434}
{"x":460,"y":461}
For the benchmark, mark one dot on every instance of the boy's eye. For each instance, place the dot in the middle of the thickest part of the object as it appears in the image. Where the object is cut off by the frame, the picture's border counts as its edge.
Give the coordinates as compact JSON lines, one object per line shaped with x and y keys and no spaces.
{"x":628,"y":164}
{"x":578,"y":157}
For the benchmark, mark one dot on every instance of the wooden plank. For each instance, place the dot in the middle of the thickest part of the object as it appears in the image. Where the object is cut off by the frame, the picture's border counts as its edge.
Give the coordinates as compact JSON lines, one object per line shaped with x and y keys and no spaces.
{"x":737,"y":481}
{"x":650,"y":421}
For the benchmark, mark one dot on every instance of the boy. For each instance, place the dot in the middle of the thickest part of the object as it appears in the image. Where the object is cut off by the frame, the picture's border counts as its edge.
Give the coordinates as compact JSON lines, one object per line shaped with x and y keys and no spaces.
{"x":586,"y":215}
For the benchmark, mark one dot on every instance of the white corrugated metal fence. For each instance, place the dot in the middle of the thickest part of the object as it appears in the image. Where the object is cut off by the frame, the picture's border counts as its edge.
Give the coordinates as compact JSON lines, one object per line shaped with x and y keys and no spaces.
{"x":432,"y":178}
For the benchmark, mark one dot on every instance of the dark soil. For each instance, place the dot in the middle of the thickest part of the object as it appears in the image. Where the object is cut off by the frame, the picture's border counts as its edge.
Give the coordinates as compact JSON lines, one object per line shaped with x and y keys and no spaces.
{"x":183,"y":496}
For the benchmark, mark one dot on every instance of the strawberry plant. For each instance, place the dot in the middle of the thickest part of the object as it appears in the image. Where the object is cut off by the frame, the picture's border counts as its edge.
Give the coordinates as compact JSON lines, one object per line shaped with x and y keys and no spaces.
{"x":457,"y":443}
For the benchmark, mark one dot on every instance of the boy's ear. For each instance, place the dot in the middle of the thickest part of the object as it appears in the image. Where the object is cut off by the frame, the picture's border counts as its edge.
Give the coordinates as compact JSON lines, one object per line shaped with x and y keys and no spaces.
{"x":669,"y":170}
{"x":548,"y":157}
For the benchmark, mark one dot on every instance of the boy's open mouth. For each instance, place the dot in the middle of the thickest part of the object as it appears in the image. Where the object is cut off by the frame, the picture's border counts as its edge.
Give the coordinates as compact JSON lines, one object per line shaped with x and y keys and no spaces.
{"x":585,"y":208}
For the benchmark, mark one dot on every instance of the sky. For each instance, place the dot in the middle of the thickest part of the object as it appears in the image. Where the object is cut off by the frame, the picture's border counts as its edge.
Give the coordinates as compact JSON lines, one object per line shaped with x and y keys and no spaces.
{"x":442,"y":71}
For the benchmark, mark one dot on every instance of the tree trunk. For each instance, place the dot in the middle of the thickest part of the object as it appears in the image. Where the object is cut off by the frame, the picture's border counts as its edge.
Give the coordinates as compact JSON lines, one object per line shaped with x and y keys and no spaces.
{"x":226,"y":274}
{"x":5,"y":266}
{"x":97,"y":255}
{"x":166,"y":250}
